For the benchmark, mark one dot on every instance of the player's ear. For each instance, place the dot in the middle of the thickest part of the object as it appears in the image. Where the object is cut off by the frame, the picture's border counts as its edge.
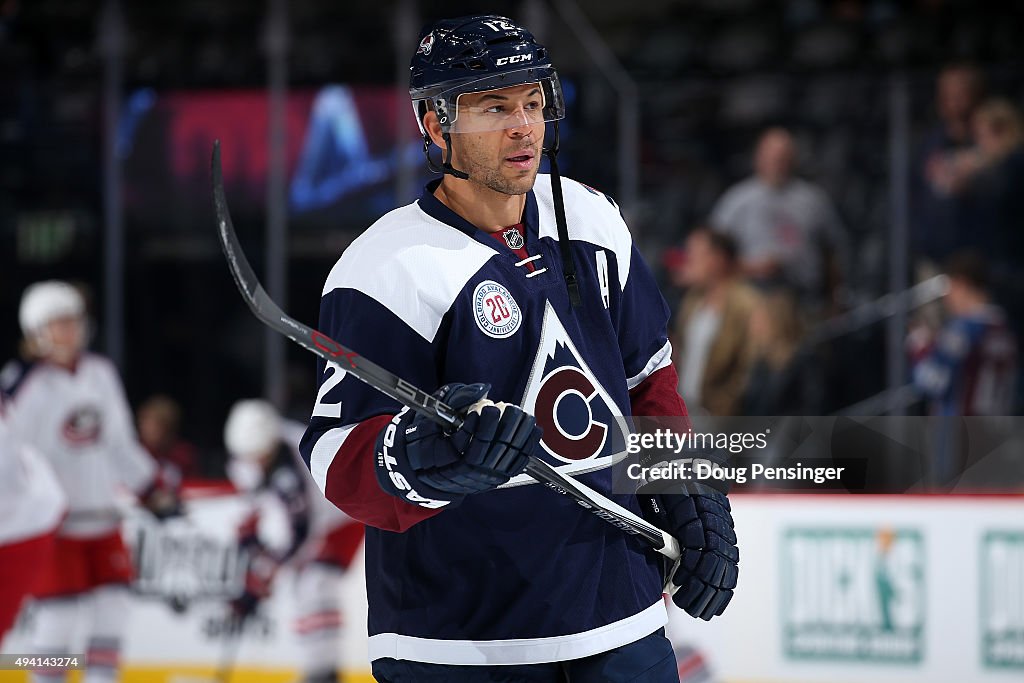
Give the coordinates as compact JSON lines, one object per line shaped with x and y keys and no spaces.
{"x":433,"y":128}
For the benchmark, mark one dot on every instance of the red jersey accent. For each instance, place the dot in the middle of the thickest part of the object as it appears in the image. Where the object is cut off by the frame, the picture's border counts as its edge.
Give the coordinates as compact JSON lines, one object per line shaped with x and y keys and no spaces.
{"x":19,"y":574}
{"x":512,"y":235}
{"x":82,"y":564}
{"x":352,"y":483}
{"x":657,"y":396}
{"x":339,"y":546}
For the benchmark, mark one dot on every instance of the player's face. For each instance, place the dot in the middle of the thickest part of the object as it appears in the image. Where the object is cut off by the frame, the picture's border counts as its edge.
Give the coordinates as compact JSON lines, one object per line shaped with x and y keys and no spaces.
{"x":505,"y":160}
{"x":64,"y":339}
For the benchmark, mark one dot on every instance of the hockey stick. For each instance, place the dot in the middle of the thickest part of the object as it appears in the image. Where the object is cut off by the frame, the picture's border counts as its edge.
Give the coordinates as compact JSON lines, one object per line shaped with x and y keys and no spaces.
{"x":386,"y":382}
{"x":229,"y":653}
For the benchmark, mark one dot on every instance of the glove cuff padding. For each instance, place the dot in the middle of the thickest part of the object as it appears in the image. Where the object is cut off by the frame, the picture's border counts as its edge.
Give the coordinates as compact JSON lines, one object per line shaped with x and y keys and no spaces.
{"x":418,"y":461}
{"x":703,"y":524}
{"x":396,"y":475}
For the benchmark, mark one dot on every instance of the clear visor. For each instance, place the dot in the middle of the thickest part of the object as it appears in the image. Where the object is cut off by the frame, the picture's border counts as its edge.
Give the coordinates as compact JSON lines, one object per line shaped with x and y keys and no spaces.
{"x":491,"y":105}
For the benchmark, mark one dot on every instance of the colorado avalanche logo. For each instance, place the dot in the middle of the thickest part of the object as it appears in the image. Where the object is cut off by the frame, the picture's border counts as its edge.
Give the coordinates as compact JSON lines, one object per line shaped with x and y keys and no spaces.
{"x":577,"y":414}
{"x":564,"y":411}
{"x":426,"y":45}
{"x":513,"y":238}
{"x":82,"y":426}
{"x":496,"y":313}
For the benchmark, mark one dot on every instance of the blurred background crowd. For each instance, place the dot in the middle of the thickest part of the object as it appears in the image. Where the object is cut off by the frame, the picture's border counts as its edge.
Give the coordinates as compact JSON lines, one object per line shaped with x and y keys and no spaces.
{"x":830,"y":191}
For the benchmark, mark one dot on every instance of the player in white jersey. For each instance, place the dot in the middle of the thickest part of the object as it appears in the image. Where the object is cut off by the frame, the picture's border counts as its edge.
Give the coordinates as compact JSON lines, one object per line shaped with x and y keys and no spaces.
{"x":323,"y":540}
{"x":31,"y":506}
{"x":70,"y":406}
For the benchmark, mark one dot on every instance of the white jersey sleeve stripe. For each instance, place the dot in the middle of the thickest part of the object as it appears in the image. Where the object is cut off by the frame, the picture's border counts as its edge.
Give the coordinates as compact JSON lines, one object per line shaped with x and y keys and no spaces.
{"x":658,"y":361}
{"x":327,"y":446}
{"x":521,"y":650}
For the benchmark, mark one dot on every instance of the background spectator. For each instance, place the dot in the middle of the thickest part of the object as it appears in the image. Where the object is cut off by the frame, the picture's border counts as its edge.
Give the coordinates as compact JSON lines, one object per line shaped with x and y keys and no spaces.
{"x":999,"y":179}
{"x":711,"y":341}
{"x":787,"y":229}
{"x":941,"y":220}
{"x":785,"y":376}
{"x":159,"y":419}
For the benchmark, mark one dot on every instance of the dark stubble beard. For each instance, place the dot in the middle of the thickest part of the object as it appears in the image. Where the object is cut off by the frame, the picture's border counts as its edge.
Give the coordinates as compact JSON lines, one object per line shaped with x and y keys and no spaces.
{"x":492,"y":178}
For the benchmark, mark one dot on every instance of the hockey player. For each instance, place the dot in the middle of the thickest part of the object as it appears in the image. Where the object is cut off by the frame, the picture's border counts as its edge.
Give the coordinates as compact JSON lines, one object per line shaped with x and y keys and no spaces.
{"x":70,"y":406}
{"x":31,"y":506}
{"x":503,"y":285}
{"x":265,"y":462}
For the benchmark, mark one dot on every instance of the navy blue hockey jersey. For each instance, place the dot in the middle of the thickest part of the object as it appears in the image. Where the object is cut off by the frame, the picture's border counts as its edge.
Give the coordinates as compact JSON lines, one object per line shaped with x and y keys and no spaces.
{"x":520,"y":574}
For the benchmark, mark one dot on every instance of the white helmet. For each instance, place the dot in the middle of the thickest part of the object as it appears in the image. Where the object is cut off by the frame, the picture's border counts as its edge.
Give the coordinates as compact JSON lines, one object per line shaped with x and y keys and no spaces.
{"x":47,"y":301}
{"x":253,"y":429}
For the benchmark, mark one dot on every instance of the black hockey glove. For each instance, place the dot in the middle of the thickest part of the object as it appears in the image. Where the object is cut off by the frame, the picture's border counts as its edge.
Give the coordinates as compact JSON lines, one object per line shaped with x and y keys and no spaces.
{"x":420,"y":463}
{"x":162,"y":500}
{"x":258,"y":579}
{"x":706,"y":574}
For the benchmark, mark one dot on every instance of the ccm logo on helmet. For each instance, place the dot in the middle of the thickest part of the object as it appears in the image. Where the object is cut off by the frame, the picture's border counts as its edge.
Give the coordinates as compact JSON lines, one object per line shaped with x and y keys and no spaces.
{"x":514,"y":59}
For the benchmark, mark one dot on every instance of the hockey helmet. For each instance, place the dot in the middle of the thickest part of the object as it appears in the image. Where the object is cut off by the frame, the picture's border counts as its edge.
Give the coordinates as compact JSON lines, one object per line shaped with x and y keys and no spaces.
{"x":253,"y":429}
{"x":47,"y":301}
{"x":476,"y":54}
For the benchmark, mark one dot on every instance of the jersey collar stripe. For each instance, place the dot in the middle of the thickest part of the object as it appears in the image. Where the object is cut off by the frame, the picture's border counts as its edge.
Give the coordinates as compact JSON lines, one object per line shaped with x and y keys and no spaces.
{"x":435,"y":208}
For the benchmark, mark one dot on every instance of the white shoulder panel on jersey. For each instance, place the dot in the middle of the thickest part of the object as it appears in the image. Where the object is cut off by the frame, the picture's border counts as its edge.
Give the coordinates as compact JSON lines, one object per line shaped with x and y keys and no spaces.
{"x":102,"y":364}
{"x":399,"y":254}
{"x":589,"y":217}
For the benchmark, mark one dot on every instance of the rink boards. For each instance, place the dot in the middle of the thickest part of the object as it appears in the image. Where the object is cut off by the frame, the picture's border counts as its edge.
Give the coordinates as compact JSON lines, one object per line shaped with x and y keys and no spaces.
{"x":837,"y":589}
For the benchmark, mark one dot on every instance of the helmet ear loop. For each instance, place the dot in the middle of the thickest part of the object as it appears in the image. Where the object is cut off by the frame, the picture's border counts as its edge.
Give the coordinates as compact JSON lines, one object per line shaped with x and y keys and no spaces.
{"x":447,"y":165}
{"x":431,"y":166}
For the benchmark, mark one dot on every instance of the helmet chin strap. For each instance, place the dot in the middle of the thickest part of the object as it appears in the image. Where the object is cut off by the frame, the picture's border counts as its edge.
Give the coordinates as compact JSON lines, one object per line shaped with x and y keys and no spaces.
{"x":446,"y":163}
{"x":568,"y":263}
{"x":446,"y":166}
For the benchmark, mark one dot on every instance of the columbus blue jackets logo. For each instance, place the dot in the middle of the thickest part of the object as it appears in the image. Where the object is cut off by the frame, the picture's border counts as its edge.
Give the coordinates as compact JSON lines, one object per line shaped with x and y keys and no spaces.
{"x":82,"y":426}
{"x":576,"y":412}
{"x":496,"y":313}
